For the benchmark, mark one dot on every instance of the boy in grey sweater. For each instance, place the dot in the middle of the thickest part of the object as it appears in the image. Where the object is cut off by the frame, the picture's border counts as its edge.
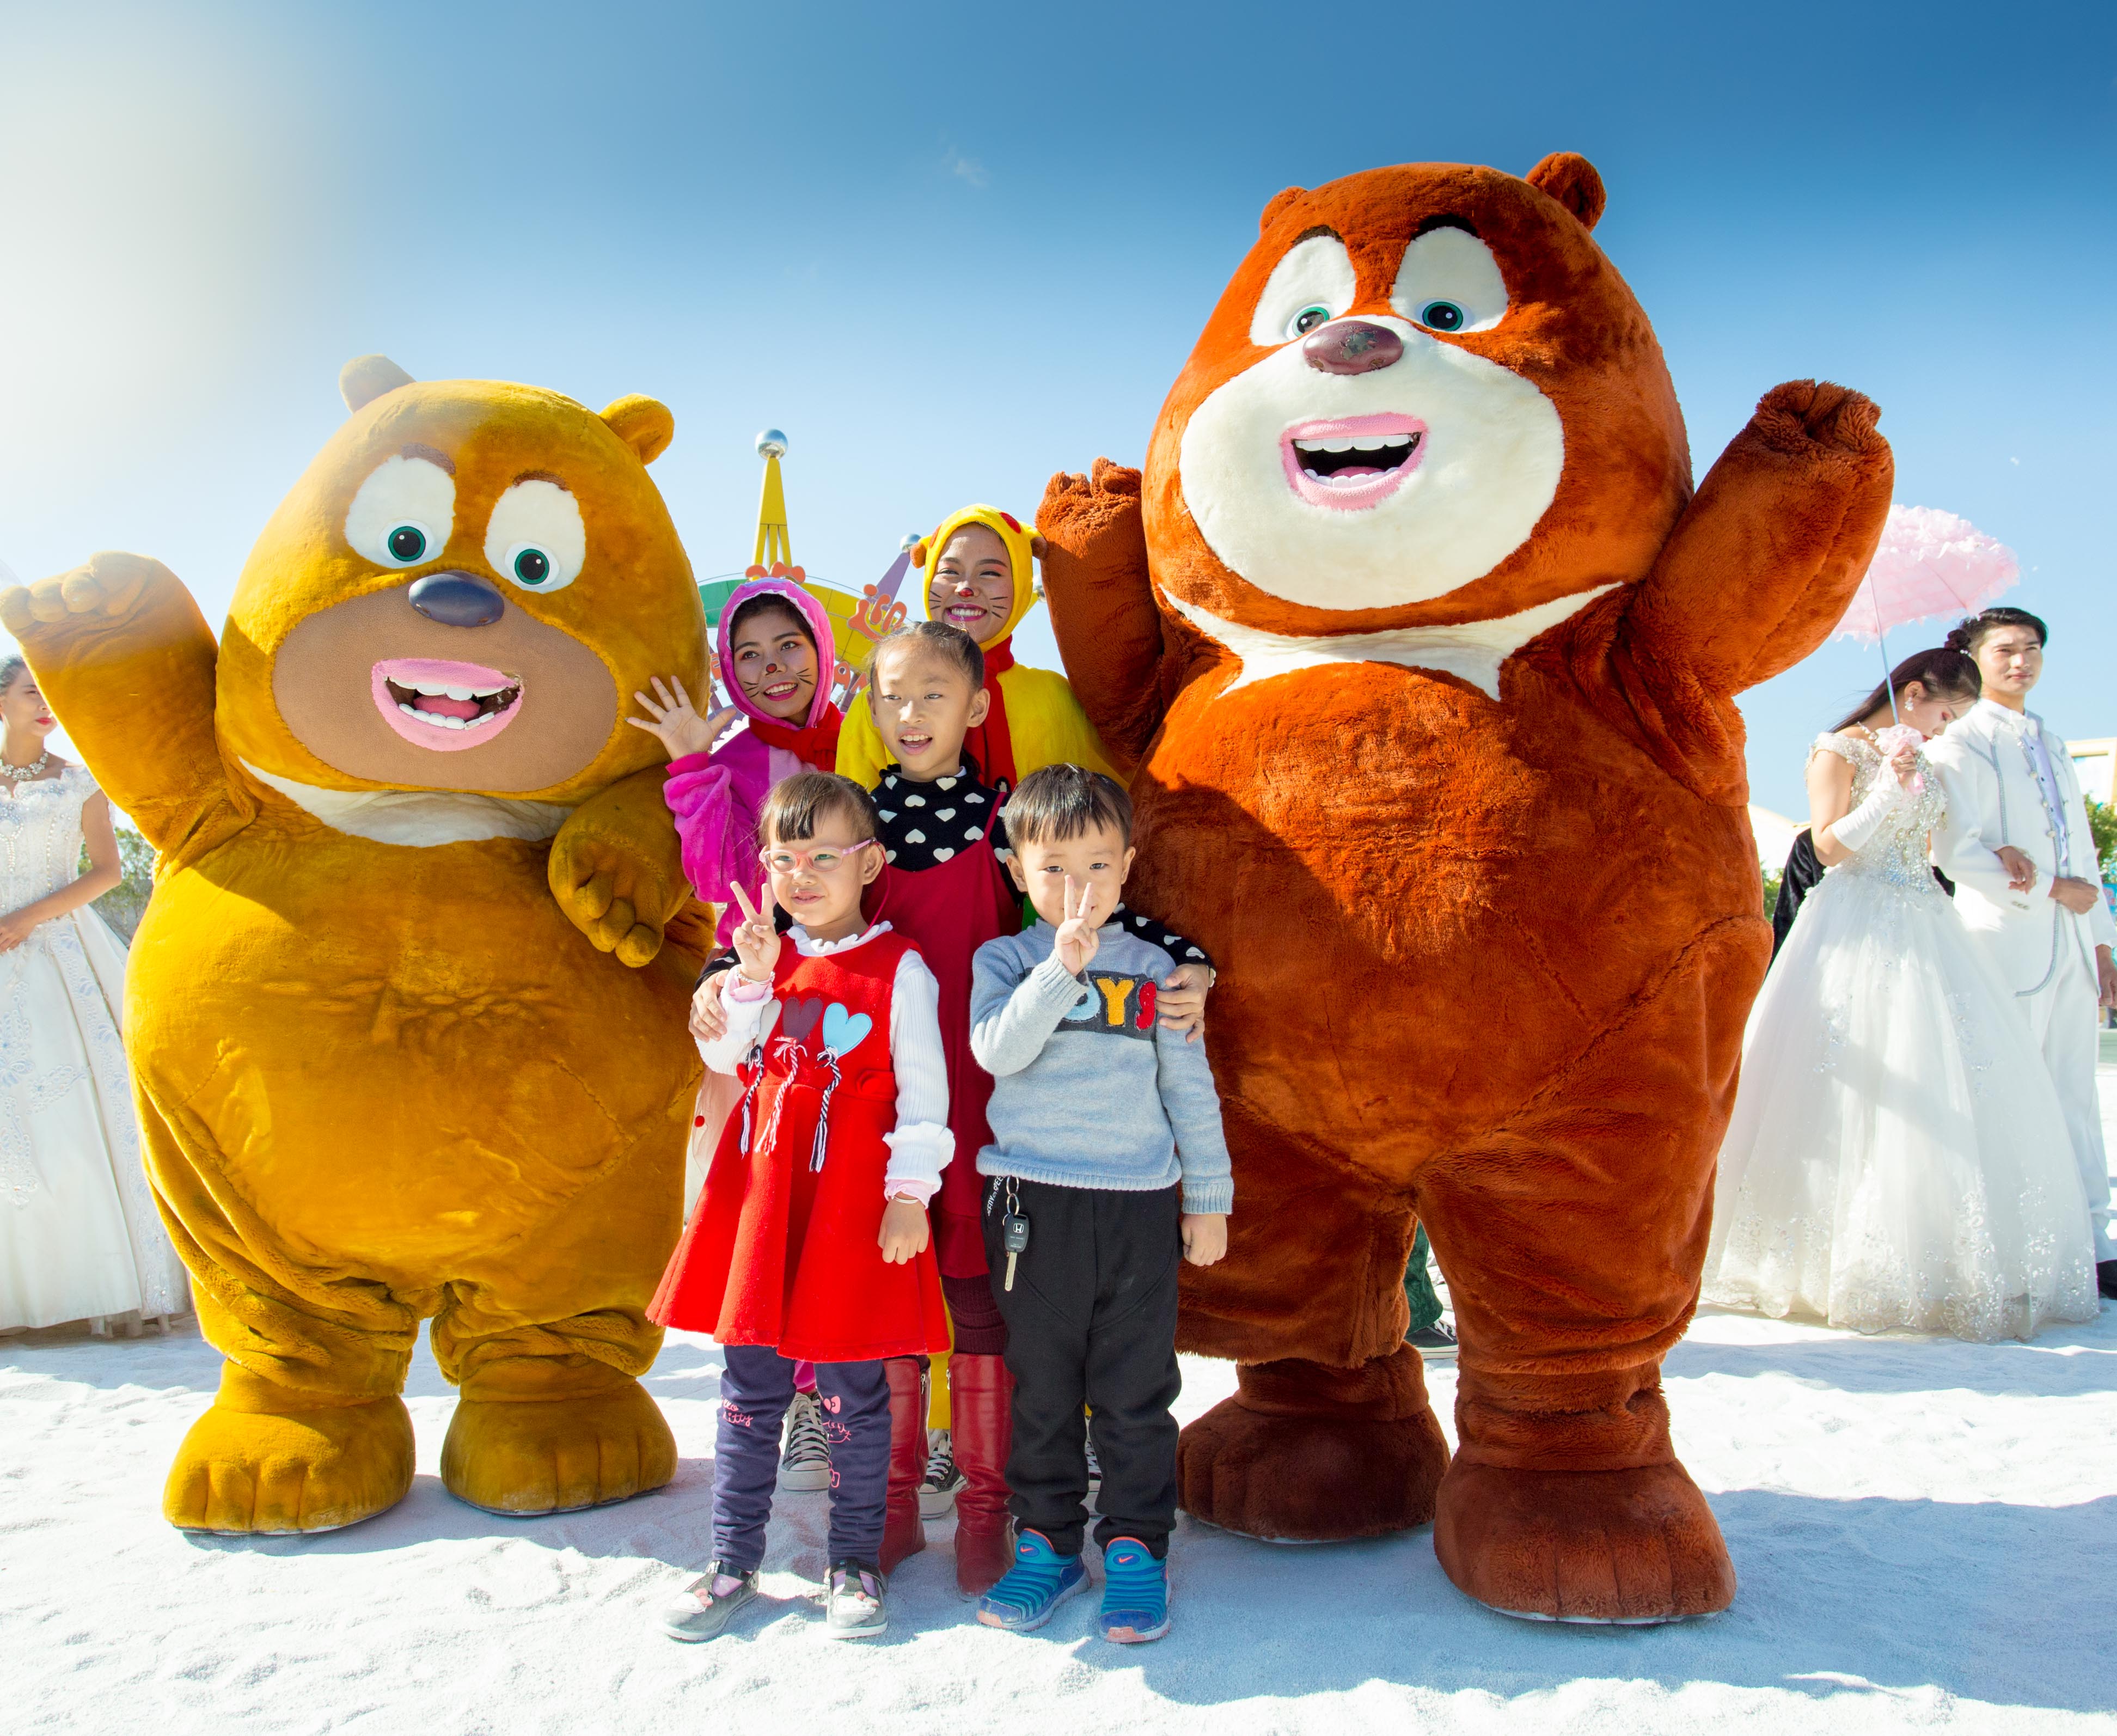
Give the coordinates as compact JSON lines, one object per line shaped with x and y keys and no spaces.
{"x":1107,"y":1167}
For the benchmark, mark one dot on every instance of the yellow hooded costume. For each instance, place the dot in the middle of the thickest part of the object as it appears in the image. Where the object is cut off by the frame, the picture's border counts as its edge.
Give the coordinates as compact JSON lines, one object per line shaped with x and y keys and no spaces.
{"x":386,"y":1067}
{"x":1034,"y":721}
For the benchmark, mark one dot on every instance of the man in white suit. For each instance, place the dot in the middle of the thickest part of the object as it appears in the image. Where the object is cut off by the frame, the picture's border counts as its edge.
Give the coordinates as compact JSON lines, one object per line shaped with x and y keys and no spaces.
{"x":2017,"y":844}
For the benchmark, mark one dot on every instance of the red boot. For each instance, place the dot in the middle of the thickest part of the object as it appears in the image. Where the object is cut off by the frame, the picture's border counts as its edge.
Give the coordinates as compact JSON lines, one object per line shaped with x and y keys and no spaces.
{"x":902,"y":1533}
{"x":981,"y":1415}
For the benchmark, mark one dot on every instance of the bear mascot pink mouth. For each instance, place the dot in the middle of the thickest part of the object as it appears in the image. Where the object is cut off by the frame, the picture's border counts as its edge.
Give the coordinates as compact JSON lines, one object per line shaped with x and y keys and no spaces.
{"x":1424,"y":650}
{"x":407,"y":1040}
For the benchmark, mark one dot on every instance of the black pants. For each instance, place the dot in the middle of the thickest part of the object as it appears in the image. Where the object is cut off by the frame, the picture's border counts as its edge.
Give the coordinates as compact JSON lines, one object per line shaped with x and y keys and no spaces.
{"x":1091,"y":1319}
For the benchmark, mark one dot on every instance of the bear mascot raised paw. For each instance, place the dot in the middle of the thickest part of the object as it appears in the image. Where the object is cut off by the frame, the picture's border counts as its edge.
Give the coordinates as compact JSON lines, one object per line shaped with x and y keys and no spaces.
{"x":1424,"y":649}
{"x":387,"y":1066}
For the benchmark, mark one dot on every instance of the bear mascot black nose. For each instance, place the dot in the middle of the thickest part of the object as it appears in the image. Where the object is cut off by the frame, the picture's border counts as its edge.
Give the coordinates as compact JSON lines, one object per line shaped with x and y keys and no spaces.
{"x":1351,"y":347}
{"x":457,"y":600}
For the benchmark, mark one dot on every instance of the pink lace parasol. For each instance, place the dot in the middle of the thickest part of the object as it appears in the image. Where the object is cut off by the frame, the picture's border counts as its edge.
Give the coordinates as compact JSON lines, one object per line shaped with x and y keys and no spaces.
{"x":1929,"y":563}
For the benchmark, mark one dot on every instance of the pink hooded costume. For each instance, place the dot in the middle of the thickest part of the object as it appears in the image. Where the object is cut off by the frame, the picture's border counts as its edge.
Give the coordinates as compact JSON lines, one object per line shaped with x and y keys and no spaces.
{"x":716,"y":796}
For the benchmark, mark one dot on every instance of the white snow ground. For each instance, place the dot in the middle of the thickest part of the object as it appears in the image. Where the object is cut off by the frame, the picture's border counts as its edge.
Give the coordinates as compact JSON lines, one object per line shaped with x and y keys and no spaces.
{"x":1925,"y":1531}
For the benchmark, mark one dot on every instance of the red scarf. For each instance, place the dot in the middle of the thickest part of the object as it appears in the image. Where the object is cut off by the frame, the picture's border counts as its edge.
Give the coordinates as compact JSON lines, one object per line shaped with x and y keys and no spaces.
{"x":989,"y":743}
{"x":816,"y":745}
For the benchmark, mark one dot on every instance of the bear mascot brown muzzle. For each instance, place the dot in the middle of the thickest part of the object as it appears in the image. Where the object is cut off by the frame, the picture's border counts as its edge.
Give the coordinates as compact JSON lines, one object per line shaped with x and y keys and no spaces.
{"x":1424,"y":652}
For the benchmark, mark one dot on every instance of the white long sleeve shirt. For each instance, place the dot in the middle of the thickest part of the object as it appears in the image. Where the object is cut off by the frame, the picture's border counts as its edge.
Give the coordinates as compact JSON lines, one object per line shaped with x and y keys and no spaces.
{"x":2009,"y":781}
{"x":922,"y":1144}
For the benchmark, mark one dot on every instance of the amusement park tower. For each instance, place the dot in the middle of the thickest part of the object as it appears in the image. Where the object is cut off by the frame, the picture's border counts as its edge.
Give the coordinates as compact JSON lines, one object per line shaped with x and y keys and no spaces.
{"x":856,"y":622}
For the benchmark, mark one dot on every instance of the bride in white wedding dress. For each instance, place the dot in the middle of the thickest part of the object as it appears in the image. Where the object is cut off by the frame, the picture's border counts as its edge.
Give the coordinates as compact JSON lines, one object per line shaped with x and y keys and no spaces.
{"x":79,"y":1237}
{"x":1897,"y":1156}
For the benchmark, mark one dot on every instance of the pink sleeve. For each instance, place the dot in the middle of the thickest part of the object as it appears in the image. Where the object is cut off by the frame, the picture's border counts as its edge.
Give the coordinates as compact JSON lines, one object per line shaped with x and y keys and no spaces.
{"x":714,"y":799}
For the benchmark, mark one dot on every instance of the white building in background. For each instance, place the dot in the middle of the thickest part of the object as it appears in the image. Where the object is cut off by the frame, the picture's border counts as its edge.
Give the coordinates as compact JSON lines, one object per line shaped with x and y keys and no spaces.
{"x":1775,"y":836}
{"x":2096,"y":764}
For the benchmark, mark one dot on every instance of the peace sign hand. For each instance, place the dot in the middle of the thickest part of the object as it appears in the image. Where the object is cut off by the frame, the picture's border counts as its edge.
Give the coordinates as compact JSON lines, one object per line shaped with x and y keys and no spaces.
{"x":1078,"y":941}
{"x":675,"y":721}
{"x":756,"y":938}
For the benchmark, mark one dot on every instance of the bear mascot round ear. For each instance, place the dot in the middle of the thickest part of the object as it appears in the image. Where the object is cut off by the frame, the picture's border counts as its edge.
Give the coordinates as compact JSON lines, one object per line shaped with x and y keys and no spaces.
{"x":365,"y":378}
{"x":643,"y":424}
{"x":1570,"y":179}
{"x":1277,"y":203}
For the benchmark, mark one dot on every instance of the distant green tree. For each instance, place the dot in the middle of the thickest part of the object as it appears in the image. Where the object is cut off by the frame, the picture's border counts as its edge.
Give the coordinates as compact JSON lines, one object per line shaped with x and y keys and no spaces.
{"x":1773,"y":876}
{"x":126,"y":902}
{"x":2102,"y":822}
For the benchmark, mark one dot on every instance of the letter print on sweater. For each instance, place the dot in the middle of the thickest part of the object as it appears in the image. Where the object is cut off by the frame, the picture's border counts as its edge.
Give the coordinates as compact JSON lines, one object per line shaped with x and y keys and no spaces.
{"x":1114,"y":1005}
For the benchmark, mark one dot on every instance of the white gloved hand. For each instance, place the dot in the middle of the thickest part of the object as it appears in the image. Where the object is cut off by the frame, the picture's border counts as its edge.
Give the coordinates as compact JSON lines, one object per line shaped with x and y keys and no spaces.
{"x":1866,"y":820}
{"x":1901,"y":738}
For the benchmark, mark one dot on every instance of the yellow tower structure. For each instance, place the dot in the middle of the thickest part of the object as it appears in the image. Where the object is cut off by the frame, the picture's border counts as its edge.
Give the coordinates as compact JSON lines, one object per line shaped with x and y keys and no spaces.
{"x":774,"y":548}
{"x":856,"y":622}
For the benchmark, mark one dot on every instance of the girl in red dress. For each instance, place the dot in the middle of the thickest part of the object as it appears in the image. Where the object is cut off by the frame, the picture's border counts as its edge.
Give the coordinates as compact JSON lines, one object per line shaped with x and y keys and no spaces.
{"x":811,"y":1240}
{"x":774,"y":653}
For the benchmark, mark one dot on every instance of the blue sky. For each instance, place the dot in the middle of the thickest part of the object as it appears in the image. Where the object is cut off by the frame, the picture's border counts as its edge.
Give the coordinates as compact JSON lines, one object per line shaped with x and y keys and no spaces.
{"x":951,"y":249}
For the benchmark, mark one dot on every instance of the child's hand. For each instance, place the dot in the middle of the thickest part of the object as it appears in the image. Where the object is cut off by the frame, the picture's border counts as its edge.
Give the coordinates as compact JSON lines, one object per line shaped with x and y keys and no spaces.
{"x":1078,"y":940}
{"x":1205,"y":1236}
{"x":679,"y":727}
{"x":709,"y":1017}
{"x":903,"y":1237}
{"x":757,"y":940}
{"x":1182,"y":1001}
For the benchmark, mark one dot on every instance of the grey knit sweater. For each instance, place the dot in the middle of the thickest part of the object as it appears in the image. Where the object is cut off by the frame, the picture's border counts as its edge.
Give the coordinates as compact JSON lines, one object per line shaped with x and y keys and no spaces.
{"x":1088,"y":1090}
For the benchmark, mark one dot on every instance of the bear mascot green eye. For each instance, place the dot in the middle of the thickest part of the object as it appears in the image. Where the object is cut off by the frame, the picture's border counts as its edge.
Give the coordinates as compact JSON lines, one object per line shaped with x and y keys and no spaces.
{"x":1398,"y":635}
{"x":413,"y":875}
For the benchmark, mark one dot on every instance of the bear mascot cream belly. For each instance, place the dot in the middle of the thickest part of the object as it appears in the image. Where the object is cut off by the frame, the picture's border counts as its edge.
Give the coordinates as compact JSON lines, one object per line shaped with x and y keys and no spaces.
{"x":1424,"y":649}
{"x":388,"y":1068}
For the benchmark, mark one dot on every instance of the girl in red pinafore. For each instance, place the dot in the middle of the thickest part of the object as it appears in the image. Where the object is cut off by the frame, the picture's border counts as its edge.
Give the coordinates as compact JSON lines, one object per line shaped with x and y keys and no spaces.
{"x":775,"y":655}
{"x":811,"y":1240}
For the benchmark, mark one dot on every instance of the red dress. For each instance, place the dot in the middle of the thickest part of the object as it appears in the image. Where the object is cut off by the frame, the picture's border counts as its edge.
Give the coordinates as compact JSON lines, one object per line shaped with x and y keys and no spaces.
{"x":950,"y":910}
{"x":784,"y":1249}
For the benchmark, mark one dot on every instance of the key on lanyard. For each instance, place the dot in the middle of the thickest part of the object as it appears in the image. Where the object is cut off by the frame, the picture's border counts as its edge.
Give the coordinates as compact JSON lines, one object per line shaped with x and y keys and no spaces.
{"x":1013,"y":1233}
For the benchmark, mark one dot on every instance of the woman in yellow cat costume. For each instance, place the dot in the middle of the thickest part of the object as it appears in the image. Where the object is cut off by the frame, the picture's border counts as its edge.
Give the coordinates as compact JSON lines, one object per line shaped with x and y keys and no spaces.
{"x":978,"y":577}
{"x":387,"y":1068}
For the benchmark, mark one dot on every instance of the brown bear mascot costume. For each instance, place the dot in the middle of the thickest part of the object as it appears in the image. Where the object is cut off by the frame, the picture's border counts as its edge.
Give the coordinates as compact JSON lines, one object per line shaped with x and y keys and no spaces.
{"x":1425,"y":650}
{"x":387,"y":1066}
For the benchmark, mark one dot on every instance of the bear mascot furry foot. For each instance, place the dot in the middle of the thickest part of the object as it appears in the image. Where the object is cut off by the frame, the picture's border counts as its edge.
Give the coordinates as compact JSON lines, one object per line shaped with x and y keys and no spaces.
{"x":1424,"y":650}
{"x":387,"y":1068}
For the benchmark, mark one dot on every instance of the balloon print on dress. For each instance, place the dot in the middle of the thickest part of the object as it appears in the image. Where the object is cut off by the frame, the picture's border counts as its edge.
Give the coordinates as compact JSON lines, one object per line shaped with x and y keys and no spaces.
{"x":798,"y":1016}
{"x":843,"y":1031}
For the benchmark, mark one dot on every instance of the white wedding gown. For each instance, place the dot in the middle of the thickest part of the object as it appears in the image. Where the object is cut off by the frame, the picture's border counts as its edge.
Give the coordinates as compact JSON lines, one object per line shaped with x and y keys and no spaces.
{"x":79,"y":1234}
{"x":1897,"y":1156}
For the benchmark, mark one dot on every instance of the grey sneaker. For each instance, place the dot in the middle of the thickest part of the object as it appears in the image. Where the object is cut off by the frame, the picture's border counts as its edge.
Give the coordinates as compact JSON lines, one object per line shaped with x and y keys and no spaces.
{"x":937,"y":1491}
{"x":700,"y":1612}
{"x":805,"y":1457}
{"x":1436,"y":1343}
{"x":855,"y":1605}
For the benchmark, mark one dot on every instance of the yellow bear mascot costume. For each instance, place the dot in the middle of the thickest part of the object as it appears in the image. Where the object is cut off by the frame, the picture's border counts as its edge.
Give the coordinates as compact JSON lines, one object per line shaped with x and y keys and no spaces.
{"x":386,"y":1067}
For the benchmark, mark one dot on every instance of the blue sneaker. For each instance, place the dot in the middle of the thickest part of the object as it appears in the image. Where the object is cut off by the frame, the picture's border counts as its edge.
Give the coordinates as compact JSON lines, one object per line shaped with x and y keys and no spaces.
{"x":1135,"y":1593}
{"x":1039,"y":1580}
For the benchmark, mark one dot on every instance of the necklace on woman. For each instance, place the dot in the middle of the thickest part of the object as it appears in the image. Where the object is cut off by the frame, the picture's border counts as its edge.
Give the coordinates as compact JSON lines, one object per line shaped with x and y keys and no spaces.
{"x":24,"y":773}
